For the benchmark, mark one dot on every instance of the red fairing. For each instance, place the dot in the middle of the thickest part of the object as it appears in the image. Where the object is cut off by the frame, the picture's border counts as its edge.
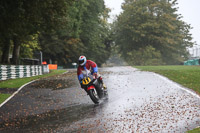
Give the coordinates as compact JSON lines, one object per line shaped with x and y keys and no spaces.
{"x":89,"y":65}
{"x":90,"y":87}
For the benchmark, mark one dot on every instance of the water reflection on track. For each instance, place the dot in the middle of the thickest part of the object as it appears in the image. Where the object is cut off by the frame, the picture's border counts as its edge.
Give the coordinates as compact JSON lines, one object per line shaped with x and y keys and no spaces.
{"x":138,"y":102}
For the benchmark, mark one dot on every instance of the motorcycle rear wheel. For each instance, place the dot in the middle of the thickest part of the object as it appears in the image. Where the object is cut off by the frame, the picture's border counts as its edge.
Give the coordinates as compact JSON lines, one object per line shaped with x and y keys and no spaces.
{"x":94,"y":96}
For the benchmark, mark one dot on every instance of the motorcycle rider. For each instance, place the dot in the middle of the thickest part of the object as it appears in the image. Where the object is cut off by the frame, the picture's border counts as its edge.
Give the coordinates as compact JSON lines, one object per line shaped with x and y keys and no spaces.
{"x":85,"y":67}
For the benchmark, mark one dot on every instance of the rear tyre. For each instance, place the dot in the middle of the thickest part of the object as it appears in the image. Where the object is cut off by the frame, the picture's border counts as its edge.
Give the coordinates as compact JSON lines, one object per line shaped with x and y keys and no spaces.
{"x":94,"y":96}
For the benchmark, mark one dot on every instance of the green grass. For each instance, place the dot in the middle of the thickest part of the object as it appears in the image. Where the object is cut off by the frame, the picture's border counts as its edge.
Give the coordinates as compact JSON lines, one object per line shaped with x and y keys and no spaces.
{"x":3,"y":97}
{"x":16,"y":83}
{"x":188,"y":76}
{"x":197,"y":130}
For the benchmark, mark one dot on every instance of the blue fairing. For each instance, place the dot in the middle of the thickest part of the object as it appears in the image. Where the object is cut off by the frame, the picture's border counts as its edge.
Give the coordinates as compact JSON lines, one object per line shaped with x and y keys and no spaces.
{"x":80,"y":77}
{"x":95,"y":70}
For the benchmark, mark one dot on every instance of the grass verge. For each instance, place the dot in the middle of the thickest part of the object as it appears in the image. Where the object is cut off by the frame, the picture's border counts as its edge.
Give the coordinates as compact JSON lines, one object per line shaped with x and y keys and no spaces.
{"x":197,"y":130}
{"x":3,"y":97}
{"x":188,"y":76}
{"x":17,"y":83}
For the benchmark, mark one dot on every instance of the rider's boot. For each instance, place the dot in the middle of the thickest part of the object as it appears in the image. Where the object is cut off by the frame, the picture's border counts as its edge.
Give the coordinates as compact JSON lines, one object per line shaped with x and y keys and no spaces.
{"x":104,"y":86}
{"x":105,"y":89}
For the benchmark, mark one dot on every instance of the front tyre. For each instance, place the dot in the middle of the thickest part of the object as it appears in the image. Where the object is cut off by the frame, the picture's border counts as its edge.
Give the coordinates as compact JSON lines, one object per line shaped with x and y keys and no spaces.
{"x":94,"y":96}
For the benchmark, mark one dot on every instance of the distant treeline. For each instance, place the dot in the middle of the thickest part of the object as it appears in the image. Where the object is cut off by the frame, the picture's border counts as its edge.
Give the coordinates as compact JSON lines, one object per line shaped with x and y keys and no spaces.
{"x":147,"y":32}
{"x":151,"y":32}
{"x":62,"y":29}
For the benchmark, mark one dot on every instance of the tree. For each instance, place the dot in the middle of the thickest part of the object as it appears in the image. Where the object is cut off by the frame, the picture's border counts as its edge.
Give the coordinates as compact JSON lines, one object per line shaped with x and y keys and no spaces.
{"x":63,"y":45}
{"x":21,"y":19}
{"x":86,"y":33}
{"x":147,"y":56}
{"x":29,"y":47}
{"x":65,"y":29}
{"x":96,"y":32}
{"x":154,"y":23}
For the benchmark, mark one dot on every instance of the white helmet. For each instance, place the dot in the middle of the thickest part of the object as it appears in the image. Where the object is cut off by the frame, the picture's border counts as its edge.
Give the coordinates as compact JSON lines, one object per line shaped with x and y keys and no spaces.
{"x":82,"y":60}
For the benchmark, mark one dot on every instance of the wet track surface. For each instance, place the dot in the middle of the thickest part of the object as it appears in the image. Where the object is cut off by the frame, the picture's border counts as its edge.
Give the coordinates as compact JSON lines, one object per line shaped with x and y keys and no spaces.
{"x":138,"y":102}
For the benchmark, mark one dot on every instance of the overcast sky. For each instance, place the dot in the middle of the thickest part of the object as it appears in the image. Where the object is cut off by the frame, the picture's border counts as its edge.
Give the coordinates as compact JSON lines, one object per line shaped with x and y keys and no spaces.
{"x":190,"y":10}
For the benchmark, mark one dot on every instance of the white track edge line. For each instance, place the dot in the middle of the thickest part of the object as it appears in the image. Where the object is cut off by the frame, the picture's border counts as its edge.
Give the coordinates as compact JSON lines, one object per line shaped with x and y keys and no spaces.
{"x":178,"y":85}
{"x":15,"y":93}
{"x":65,"y":72}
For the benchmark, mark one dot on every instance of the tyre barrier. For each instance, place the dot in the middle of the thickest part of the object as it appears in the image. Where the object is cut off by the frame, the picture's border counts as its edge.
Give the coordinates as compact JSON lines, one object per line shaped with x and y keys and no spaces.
{"x":20,"y":71}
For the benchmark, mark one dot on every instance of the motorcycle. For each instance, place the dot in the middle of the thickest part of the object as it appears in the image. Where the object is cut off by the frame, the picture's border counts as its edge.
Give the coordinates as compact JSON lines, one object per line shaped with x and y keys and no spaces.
{"x":94,"y":88}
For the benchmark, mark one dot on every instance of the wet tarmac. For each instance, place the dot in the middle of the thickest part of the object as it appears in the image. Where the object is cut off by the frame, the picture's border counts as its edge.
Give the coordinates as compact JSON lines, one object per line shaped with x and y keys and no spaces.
{"x":138,"y":102}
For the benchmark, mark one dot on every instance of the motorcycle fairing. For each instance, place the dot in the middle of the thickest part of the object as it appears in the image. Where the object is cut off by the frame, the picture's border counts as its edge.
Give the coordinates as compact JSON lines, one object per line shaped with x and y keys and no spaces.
{"x":90,"y":87}
{"x":86,"y":81}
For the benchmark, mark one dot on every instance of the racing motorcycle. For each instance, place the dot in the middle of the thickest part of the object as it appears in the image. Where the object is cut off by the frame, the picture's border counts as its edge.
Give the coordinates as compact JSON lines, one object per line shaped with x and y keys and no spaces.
{"x":94,"y":88}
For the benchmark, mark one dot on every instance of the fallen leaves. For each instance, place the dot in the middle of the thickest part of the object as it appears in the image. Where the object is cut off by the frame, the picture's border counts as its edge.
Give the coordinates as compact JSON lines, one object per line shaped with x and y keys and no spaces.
{"x":133,"y":106}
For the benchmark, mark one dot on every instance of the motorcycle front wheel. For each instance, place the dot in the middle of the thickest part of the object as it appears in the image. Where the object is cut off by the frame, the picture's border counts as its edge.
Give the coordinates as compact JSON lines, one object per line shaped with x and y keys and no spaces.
{"x":94,"y":96}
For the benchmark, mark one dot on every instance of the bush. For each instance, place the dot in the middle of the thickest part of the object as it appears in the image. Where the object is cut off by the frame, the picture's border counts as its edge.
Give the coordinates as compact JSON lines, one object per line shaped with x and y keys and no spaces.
{"x":144,"y":56}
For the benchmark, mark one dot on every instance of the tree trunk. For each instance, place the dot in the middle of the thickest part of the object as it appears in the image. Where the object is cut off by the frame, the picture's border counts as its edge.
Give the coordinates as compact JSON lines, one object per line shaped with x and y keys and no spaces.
{"x":16,"y":51}
{"x":6,"y":50}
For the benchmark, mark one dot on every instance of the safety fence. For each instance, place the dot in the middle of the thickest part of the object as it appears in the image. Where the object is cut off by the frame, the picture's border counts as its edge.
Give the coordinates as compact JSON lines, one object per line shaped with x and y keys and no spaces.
{"x":192,"y":62}
{"x":19,"y":71}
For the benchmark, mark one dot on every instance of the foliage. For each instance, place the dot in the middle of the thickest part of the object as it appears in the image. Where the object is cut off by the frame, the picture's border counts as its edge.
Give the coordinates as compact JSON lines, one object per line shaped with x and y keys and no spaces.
{"x":62,"y":30}
{"x":144,"y":56}
{"x":154,"y":23}
{"x":21,"y":19}
{"x":86,"y":33}
{"x":188,"y":76}
{"x":29,"y":47}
